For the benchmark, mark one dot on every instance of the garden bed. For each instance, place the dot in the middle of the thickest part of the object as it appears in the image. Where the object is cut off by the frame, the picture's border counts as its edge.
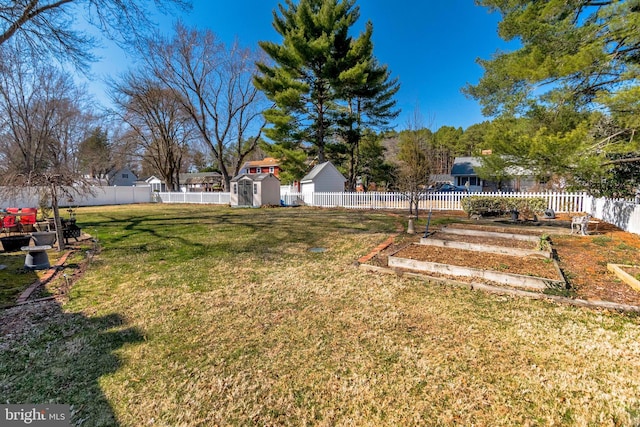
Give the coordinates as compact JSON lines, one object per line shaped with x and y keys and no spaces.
{"x":530,"y":272}
{"x":488,"y":242}
{"x":583,"y":261}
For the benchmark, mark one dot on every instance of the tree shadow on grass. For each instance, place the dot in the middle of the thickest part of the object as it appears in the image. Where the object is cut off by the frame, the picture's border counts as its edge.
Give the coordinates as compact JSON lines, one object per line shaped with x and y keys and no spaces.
{"x":48,"y":355}
{"x":141,"y":226}
{"x":184,"y":235}
{"x":14,"y":278}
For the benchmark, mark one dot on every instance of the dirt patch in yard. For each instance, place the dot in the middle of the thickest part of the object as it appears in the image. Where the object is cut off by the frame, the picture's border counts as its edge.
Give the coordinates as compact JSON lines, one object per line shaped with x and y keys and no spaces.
{"x":521,"y":227}
{"x":481,"y":240}
{"x":526,"y":266}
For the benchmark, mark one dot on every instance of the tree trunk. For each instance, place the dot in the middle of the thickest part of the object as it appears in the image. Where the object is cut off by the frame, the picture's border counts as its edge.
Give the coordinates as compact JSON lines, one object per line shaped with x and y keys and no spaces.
{"x":56,"y":217}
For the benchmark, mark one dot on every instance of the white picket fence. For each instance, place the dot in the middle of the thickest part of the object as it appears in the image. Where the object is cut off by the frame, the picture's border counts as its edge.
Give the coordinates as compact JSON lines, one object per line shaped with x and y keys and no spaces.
{"x":214,"y":198}
{"x":559,"y":202}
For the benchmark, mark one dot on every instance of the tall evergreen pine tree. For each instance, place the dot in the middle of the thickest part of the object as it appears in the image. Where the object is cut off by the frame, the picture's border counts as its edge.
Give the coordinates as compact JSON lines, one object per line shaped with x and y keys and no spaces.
{"x":324,"y":83}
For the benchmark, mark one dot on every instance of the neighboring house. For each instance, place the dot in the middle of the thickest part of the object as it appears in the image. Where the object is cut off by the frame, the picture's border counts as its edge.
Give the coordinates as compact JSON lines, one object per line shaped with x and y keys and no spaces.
{"x":266,"y":165}
{"x":201,"y":182}
{"x":360,"y":186}
{"x":464,"y":174}
{"x":122,"y":177}
{"x":464,"y":171}
{"x":255,"y":190}
{"x":323,"y":178}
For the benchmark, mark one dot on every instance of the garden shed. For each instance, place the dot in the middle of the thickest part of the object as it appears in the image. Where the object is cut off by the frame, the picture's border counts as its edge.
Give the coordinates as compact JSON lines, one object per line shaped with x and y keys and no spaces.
{"x":255,"y":190}
{"x":323,"y":178}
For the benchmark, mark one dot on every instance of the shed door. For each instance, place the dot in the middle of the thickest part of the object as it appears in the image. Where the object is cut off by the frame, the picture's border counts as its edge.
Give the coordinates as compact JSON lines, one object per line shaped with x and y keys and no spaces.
{"x":245,"y":193}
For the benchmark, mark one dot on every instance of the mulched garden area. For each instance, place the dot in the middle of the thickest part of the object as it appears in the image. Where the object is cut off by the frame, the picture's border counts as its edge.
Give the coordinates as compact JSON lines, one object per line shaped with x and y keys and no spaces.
{"x":584,"y":260}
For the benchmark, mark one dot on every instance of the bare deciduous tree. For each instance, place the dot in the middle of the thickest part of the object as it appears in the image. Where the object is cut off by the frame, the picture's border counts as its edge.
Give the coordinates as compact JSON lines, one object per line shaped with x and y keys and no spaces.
{"x":160,"y":130}
{"x":43,"y":117}
{"x":47,"y":27}
{"x":414,"y":162}
{"x":215,"y":83}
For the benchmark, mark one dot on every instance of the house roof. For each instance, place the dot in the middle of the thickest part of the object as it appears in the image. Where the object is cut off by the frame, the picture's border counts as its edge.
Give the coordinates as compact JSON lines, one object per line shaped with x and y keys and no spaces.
{"x":124,"y":169}
{"x":254,"y":176}
{"x":266,"y":162}
{"x":317,"y":169}
{"x":465,"y":166}
{"x":200,"y":178}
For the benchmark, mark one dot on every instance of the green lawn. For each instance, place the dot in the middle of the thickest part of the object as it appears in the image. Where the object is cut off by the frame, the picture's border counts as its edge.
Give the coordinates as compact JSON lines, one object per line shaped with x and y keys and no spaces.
{"x":201,"y":315}
{"x":14,"y":278}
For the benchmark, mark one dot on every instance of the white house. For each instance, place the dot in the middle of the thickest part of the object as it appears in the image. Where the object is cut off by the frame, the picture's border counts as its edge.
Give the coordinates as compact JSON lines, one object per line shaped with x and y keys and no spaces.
{"x":324,"y":178}
{"x":255,"y":190}
{"x":153,"y":182}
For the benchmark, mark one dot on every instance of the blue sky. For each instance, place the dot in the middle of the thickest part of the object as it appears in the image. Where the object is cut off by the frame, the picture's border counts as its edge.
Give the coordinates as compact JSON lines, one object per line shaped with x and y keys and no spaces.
{"x":431,"y":46}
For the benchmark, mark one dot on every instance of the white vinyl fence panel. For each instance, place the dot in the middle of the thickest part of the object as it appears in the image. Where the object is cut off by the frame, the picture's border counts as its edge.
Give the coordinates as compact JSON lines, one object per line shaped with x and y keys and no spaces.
{"x":624,"y":214}
{"x":99,"y":196}
{"x":115,"y":195}
{"x":215,"y":198}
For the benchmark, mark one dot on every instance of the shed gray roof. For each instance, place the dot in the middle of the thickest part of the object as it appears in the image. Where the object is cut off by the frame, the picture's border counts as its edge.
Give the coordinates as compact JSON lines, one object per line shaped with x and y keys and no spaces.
{"x":317,"y":169}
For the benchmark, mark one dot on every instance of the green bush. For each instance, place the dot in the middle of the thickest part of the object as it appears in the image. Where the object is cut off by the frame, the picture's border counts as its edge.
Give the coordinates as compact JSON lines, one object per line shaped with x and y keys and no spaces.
{"x":501,"y":205}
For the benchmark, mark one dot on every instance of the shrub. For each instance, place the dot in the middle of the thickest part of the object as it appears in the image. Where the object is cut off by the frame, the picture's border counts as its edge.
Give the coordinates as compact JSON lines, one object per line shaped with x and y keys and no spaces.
{"x":500,"y":205}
